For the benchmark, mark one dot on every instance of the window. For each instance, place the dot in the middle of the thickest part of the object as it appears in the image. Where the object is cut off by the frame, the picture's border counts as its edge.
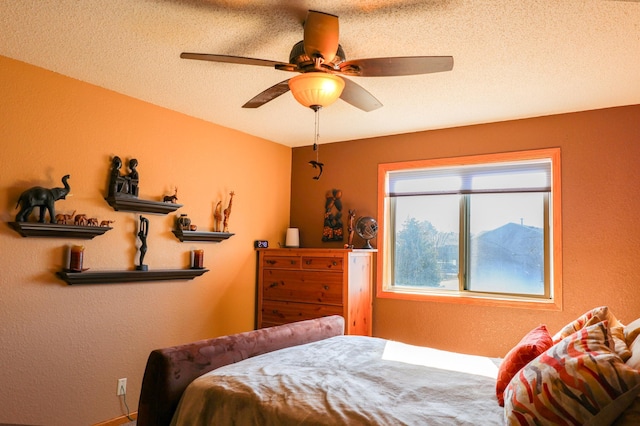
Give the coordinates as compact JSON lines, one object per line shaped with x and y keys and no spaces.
{"x":480,"y":229}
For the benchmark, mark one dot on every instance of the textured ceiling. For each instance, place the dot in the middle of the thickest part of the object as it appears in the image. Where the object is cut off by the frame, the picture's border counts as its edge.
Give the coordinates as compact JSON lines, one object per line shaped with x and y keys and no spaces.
{"x":512,"y":59}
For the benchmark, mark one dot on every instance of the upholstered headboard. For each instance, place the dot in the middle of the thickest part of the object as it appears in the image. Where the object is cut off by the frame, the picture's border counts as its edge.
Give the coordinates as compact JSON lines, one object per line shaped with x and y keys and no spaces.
{"x":170,"y":370}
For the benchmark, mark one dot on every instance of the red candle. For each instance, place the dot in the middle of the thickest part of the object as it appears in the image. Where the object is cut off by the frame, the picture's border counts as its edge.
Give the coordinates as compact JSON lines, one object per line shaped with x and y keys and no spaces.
{"x":198,"y":259}
{"x":77,"y":254}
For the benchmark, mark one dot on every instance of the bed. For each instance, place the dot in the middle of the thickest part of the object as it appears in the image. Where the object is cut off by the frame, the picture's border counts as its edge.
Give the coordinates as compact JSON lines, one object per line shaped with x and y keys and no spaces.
{"x":310,"y":373}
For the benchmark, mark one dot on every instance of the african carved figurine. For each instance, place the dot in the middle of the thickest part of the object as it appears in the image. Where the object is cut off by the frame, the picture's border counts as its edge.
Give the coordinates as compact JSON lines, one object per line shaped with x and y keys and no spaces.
{"x":133,"y":177}
{"x":352,"y":215}
{"x":142,"y":234}
{"x":117,"y":183}
{"x":227,"y":213}
{"x":332,"y":230}
{"x":44,"y":198}
{"x":123,"y":185}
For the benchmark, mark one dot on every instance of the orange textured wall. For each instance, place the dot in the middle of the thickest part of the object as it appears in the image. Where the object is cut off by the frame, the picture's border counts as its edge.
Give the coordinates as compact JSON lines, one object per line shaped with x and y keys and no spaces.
{"x":64,"y":347}
{"x":601,"y":233}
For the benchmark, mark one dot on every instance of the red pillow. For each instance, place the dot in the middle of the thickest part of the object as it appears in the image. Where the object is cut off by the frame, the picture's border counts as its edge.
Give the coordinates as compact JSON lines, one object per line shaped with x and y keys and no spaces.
{"x":534,"y":343}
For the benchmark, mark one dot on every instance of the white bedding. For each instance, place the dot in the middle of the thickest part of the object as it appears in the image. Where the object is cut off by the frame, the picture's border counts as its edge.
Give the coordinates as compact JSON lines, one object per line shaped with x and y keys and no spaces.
{"x":344,"y":380}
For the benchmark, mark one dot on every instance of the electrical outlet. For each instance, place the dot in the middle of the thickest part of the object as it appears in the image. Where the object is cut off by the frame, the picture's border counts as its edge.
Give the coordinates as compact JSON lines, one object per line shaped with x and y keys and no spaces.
{"x":122,"y":387}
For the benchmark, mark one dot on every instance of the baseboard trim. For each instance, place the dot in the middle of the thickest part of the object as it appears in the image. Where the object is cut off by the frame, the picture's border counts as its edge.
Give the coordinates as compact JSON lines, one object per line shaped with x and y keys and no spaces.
{"x":118,"y":420}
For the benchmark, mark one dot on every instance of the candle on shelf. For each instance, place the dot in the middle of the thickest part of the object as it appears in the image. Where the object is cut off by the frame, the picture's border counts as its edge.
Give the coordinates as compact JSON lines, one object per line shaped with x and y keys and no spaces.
{"x":198,"y":259}
{"x":77,"y":254}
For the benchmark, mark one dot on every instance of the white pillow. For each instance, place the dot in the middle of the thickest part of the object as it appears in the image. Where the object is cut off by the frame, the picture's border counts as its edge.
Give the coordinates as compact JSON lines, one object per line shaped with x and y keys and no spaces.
{"x":631,"y":331}
{"x":634,"y":361}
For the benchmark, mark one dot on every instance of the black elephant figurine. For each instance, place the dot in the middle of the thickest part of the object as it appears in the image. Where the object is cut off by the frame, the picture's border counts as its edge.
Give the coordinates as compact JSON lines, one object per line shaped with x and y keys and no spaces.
{"x":43,"y":198}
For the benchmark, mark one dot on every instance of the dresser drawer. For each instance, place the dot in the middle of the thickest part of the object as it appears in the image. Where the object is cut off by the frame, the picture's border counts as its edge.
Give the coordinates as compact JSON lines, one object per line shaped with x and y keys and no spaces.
{"x":302,"y":286}
{"x":282,"y":262}
{"x":329,"y":263}
{"x":276,"y":312}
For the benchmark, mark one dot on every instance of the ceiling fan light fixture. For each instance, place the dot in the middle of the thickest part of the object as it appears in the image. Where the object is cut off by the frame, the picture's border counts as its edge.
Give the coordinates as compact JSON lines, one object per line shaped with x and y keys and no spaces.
{"x":316,"y":88}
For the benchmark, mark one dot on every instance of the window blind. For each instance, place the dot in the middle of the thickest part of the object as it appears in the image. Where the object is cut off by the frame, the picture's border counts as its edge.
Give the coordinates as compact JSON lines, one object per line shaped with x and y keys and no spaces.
{"x":521,"y":176}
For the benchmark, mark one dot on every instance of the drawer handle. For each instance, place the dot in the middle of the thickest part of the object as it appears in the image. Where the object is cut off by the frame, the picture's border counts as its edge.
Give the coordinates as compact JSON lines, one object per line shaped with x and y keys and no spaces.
{"x":308,"y":262}
{"x":293,"y":262}
{"x":335,"y":263}
{"x":326,"y":287}
{"x":273,"y":284}
{"x":271,"y":262}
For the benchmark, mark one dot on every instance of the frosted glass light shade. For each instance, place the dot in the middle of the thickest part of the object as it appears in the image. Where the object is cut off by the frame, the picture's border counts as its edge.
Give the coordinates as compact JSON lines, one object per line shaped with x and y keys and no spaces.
{"x":316,"y":88}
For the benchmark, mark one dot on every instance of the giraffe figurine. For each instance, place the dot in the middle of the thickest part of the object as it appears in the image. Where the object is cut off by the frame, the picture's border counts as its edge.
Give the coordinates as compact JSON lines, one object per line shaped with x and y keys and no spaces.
{"x":217,"y":217}
{"x":227,"y":213}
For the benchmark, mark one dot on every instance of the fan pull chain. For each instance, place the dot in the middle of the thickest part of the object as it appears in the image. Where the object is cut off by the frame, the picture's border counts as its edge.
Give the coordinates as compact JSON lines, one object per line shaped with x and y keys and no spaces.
{"x":317,"y":134}
{"x":316,"y":164}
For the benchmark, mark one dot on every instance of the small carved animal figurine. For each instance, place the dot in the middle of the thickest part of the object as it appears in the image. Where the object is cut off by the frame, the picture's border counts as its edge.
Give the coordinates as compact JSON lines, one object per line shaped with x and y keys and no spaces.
{"x":80,"y":219}
{"x":227,"y":213}
{"x":171,"y":198}
{"x":92,"y":221}
{"x":106,"y":222}
{"x":317,"y":165}
{"x":217,"y":216}
{"x":64,"y":218}
{"x":43,"y":198}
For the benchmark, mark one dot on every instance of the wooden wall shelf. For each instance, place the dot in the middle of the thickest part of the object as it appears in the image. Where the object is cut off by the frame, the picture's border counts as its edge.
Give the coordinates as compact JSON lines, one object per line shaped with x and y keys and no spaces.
{"x":110,"y":277}
{"x":134,"y":204}
{"x":214,"y":237}
{"x":55,"y":230}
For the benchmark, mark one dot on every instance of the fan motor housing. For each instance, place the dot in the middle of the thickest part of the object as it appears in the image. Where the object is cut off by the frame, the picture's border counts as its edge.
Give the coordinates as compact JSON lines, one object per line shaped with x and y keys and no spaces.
{"x":300,"y":58}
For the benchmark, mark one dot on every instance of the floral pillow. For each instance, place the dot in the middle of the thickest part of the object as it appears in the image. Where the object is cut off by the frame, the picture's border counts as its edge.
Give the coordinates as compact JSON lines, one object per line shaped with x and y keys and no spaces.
{"x":602,"y":313}
{"x":578,"y":381}
{"x":530,"y":346}
{"x":591,"y":317}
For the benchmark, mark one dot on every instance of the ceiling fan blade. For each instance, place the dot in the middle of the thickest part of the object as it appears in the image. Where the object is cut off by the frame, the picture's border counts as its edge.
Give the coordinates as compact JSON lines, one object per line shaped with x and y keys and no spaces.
{"x":396,"y":66}
{"x":321,"y":32}
{"x":268,"y":95}
{"x":358,"y":96}
{"x":233,"y":59}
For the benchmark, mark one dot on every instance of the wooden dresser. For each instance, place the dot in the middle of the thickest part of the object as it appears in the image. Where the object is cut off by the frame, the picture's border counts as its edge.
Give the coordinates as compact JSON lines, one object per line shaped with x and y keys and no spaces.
{"x":305,"y":283}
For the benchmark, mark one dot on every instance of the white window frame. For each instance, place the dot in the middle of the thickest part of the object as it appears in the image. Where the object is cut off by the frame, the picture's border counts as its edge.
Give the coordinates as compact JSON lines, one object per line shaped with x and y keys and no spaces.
{"x":552,"y":301}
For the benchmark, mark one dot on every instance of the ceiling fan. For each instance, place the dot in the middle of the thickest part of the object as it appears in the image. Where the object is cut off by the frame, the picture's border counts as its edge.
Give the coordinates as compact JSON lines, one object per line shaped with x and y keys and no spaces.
{"x":320,"y":52}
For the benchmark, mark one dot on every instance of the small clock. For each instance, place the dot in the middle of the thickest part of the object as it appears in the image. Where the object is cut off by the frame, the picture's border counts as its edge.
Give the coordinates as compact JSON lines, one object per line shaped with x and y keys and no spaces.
{"x":261,"y":244}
